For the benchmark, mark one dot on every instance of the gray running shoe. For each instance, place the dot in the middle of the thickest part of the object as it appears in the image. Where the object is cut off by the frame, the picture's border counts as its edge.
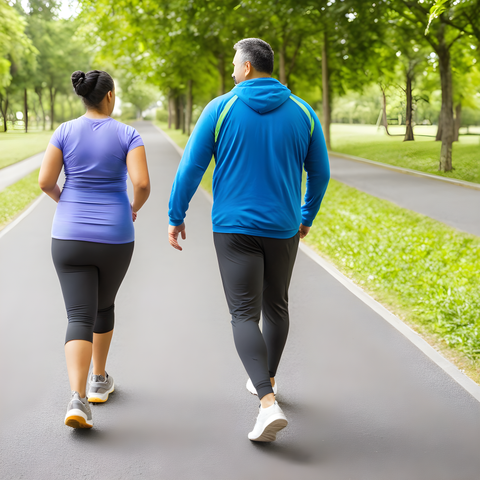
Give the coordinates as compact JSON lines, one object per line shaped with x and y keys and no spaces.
{"x":78,"y":414}
{"x":100,"y":388}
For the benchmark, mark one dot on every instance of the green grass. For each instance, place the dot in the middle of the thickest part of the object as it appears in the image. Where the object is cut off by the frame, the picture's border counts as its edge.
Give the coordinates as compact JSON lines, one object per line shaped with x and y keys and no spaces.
{"x":16,"y":146}
{"x":423,"y":154}
{"x":422,"y":270}
{"x":17,"y":197}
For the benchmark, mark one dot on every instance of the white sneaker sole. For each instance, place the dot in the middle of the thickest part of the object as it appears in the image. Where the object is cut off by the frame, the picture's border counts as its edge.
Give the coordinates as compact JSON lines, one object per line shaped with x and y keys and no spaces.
{"x":253,"y":390}
{"x":77,"y":419}
{"x":273,"y":425}
{"x":100,"y":397}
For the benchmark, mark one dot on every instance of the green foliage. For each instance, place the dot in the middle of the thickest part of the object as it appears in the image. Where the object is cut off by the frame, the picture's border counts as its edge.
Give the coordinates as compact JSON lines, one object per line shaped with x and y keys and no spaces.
{"x":14,"y":44}
{"x":137,"y":92}
{"x":15,"y":146}
{"x":17,"y":197}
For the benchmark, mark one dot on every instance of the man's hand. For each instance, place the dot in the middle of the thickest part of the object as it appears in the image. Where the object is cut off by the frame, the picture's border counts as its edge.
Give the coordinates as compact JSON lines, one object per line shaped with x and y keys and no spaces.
{"x":303,"y":230}
{"x":173,"y":235}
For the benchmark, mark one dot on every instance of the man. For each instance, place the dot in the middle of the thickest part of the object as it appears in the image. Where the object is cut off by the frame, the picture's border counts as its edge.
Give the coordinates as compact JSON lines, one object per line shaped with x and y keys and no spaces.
{"x":261,"y":137}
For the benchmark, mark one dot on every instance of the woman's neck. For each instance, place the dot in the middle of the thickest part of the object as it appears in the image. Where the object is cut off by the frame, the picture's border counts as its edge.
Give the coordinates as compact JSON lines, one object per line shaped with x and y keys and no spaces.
{"x":90,"y":113}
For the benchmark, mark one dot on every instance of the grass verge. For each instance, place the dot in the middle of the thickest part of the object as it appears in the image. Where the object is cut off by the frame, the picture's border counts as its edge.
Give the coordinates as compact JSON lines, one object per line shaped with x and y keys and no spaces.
{"x":17,"y":146}
{"x":423,"y":154}
{"x":423,"y":271}
{"x":15,"y":198}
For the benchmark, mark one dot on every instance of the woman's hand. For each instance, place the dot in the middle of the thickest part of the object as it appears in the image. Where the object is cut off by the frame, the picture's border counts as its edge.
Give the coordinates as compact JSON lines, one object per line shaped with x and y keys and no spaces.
{"x":134,"y":214}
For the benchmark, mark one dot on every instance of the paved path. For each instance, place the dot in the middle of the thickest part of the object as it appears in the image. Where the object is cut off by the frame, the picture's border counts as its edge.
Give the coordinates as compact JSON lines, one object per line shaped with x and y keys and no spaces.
{"x":363,"y":402}
{"x":17,"y":171}
{"x":454,"y":205}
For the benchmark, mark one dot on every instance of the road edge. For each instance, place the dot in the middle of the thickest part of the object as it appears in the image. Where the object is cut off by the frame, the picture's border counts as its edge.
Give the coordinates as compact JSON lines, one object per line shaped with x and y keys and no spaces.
{"x":25,"y":213}
{"x":451,"y":370}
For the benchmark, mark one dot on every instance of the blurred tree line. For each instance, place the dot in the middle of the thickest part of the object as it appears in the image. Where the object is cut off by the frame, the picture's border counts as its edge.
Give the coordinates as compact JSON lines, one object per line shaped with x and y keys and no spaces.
{"x":326,"y":51}
{"x":38,"y":53}
{"x":352,"y":60}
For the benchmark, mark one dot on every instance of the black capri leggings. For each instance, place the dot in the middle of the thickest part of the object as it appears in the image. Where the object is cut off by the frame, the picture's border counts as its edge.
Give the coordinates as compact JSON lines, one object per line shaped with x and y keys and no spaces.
{"x":256,"y":273}
{"x":90,"y":275}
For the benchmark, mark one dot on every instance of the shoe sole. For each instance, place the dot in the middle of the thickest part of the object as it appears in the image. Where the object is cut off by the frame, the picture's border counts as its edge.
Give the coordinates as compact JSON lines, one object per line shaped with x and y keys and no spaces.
{"x":269,"y":434}
{"x":77,"y":419}
{"x":100,"y":397}
{"x":254,"y":392}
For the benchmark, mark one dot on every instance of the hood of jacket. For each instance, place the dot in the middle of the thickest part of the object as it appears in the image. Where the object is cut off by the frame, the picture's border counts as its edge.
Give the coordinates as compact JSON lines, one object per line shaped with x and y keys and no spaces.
{"x":262,"y":94}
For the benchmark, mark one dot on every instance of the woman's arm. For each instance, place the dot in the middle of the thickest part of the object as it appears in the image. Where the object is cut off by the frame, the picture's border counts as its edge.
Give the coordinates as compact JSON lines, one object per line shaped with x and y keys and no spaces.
{"x":49,"y":172}
{"x":138,"y":172}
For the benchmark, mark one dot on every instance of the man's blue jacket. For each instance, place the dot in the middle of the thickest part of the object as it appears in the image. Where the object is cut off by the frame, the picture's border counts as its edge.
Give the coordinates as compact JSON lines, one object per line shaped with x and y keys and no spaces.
{"x":261,"y":137}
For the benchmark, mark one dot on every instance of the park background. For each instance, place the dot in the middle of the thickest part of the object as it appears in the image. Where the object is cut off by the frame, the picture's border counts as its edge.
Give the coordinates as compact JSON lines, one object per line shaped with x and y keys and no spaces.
{"x":390,"y":82}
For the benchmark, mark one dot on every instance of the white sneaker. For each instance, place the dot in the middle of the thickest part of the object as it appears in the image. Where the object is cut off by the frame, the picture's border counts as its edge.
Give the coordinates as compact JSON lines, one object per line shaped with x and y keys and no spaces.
{"x":269,"y":422}
{"x":253,"y":390}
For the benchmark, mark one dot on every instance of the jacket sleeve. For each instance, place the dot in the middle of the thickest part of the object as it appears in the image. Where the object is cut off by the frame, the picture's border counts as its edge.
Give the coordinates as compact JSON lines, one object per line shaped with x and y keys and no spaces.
{"x":318,"y":173}
{"x":195,"y":160}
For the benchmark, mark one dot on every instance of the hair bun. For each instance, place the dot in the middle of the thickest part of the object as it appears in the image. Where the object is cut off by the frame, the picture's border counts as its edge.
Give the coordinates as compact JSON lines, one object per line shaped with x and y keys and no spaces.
{"x":82,"y":85}
{"x":77,"y":78}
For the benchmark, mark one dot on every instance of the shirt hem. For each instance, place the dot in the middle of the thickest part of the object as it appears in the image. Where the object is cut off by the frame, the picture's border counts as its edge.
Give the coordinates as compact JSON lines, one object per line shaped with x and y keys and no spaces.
{"x":91,"y":240}
{"x":255,"y":232}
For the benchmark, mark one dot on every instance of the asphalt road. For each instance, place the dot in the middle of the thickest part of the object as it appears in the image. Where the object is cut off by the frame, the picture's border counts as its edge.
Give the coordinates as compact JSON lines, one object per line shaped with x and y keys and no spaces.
{"x":363,"y":402}
{"x":452,"y":204}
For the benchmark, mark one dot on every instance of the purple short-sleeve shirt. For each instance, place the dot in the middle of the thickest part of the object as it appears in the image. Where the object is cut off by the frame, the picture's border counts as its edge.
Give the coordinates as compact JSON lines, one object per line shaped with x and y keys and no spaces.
{"x":94,"y":204}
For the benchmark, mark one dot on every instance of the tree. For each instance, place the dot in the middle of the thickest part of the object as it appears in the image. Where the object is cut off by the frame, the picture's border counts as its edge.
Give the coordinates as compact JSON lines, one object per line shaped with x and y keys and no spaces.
{"x":15,"y":50}
{"x":441,"y":36}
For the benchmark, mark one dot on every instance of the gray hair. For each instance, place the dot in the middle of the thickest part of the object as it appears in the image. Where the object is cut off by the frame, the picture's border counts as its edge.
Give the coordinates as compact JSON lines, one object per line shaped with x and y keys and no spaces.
{"x":256,"y":51}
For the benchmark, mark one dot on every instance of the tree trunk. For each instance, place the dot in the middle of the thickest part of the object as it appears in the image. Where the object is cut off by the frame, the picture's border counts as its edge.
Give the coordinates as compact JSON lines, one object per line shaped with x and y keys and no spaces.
{"x":458,"y":121}
{"x":384,"y":110}
{"x":62,"y":105}
{"x":445,"y":164}
{"x":25,"y":108}
{"x":326,"y":91}
{"x":409,"y":112}
{"x":52,"y":107}
{"x":177,"y":112}
{"x":70,"y":106}
{"x":221,"y":71}
{"x":171,"y":110}
{"x":182,"y":113}
{"x":4,"y":110}
{"x":188,"y":113}
{"x":282,"y":72}
{"x":38,"y":91}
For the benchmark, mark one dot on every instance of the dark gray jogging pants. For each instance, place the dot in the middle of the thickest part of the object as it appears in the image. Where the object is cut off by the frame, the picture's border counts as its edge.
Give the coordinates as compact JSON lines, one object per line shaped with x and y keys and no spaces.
{"x":256,"y":273}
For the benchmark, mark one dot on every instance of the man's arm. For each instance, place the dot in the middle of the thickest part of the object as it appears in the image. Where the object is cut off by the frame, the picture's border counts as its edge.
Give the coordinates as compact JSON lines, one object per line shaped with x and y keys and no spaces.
{"x":195,"y":161}
{"x":318,"y":174}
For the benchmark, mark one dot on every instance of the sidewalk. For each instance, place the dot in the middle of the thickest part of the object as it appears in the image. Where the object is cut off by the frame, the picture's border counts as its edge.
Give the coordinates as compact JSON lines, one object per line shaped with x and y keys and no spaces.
{"x":454,"y":205}
{"x":14,"y":173}
{"x":362,"y":400}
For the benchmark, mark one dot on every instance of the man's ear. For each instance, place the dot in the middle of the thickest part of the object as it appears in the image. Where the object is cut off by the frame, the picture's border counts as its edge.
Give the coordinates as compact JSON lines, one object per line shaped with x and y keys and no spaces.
{"x":248,"y":68}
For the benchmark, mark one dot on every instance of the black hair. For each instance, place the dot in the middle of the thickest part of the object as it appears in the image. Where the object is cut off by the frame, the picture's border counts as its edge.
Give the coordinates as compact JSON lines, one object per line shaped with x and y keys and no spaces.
{"x":92,"y":86}
{"x":258,"y":52}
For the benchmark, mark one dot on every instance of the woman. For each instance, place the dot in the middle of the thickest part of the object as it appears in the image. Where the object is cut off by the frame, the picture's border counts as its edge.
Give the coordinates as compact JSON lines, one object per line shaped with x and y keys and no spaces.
{"x":92,"y":233}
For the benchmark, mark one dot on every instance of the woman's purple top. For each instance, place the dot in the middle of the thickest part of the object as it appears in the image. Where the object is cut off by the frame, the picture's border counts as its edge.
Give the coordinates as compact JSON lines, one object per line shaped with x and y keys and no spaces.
{"x":94,"y":205}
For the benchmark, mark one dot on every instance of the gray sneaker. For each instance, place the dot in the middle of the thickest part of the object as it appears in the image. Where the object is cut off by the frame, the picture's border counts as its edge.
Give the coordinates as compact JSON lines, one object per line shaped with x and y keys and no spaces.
{"x":78,"y":414}
{"x":100,"y":388}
